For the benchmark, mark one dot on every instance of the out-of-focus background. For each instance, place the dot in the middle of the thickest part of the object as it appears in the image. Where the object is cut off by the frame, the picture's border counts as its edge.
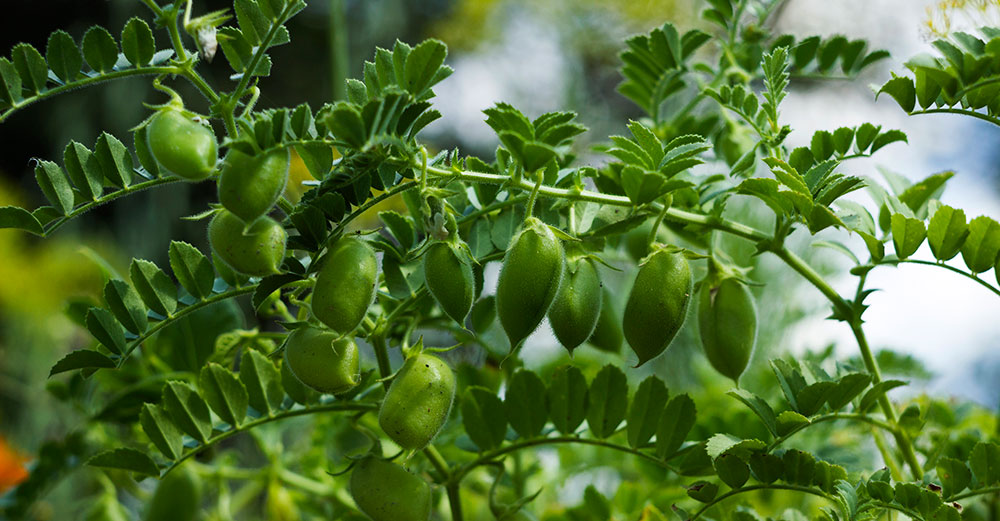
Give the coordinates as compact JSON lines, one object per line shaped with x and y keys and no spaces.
{"x":539,"y":56}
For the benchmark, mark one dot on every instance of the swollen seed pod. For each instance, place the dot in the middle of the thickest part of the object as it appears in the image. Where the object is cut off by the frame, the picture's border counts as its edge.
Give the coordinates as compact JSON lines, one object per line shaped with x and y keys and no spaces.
{"x":450,"y":280}
{"x":607,"y":335}
{"x":323,"y":360}
{"x":529,"y":280}
{"x":418,"y":402}
{"x":177,"y":497}
{"x":250,"y":185}
{"x":345,"y":285}
{"x":577,"y":307}
{"x":181,"y":144}
{"x":657,"y":304}
{"x":727,"y":323}
{"x":257,"y":251}
{"x":387,"y":492}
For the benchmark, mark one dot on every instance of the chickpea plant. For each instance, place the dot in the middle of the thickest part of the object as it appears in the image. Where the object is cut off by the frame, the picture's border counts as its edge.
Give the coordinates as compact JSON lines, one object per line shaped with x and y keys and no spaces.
{"x":421,"y":436}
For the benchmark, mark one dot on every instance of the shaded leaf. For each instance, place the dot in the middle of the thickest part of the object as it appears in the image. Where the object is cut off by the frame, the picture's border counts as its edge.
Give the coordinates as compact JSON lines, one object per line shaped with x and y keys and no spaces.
{"x":100,"y":49}
{"x":525,"y":403}
{"x":192,"y":269}
{"x":848,"y":387}
{"x":81,"y":359}
{"x":608,"y":401}
{"x":758,"y":406}
{"x":567,"y":399}
{"x":31,"y":66}
{"x":876,"y":392}
{"x":125,"y":459}
{"x":262,"y":381}
{"x":55,"y":185}
{"x":63,"y":56}
{"x":946,"y":232}
{"x":799,"y":467}
{"x":187,"y":409}
{"x":224,"y":393}
{"x":114,"y":160}
{"x":675,"y":423}
{"x":483,"y":417}
{"x":732,"y":470}
{"x":644,"y":411}
{"x":161,"y":430}
{"x":155,"y":288}
{"x":982,"y":245}
{"x":125,"y":303}
{"x":106,"y":329}
{"x":985,"y":463}
{"x":767,"y":468}
{"x":19,"y":218}
{"x":138,"y":44}
{"x":954,"y":476}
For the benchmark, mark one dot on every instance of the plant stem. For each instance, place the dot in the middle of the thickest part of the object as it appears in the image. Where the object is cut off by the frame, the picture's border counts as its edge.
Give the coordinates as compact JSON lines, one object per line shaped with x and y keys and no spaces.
{"x":964,"y":112}
{"x":966,"y":274}
{"x":88,"y":81}
{"x":799,"y":265}
{"x":218,"y":297}
{"x":651,"y":238}
{"x":265,"y":44}
{"x":175,"y":34}
{"x":398,"y":189}
{"x":423,"y":169}
{"x":897,"y":473}
{"x":674,"y":214}
{"x":902,"y":440}
{"x":491,"y":208}
{"x":333,"y":406}
{"x":76,"y":212}
{"x":454,"y":501}
{"x":864,"y":418}
{"x":534,"y":195}
{"x":751,"y":488}
{"x":339,"y":55}
{"x":489,"y":456}
{"x":381,"y":354}
{"x":973,"y":493}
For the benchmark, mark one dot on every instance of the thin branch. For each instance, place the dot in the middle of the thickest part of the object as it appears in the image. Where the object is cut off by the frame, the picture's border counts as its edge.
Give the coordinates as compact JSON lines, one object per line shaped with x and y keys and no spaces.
{"x":492,"y":455}
{"x":288,"y":413}
{"x":56,"y":223}
{"x":218,"y":297}
{"x":751,"y":488}
{"x":964,"y":273}
{"x":864,"y":418}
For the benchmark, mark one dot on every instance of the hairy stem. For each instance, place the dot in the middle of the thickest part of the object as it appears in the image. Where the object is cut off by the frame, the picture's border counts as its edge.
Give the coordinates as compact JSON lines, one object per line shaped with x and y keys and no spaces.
{"x":672,"y":214}
{"x":398,"y":189}
{"x":964,"y":112}
{"x":902,"y":438}
{"x":56,"y":223}
{"x":953,"y":269}
{"x":234,"y":292}
{"x":841,"y":305}
{"x":329,"y":407}
{"x":86,"y":82}
{"x":488,"y":456}
{"x":864,"y":418}
{"x":751,"y":488}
